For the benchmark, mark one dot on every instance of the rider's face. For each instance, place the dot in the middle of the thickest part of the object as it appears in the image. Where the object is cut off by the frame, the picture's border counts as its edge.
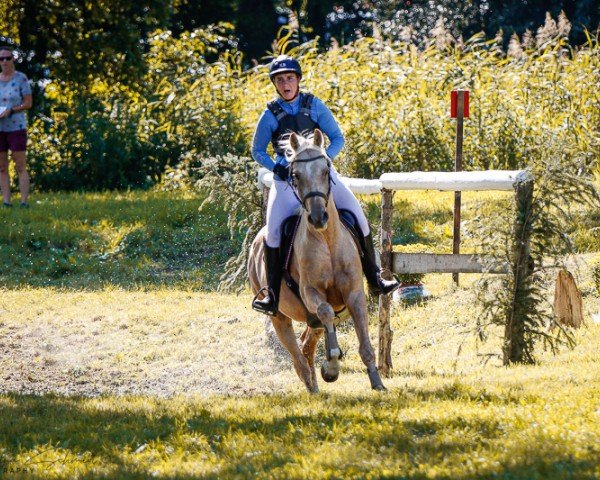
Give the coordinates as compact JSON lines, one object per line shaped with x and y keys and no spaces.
{"x":287,"y":85}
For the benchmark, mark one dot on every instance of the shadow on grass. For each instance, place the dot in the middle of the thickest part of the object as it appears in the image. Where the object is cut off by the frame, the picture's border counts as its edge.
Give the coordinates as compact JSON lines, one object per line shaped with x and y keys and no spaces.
{"x":241,"y":438}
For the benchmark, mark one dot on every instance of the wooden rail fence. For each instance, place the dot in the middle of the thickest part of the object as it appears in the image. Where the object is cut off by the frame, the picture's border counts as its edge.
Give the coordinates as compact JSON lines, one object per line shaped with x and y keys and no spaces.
{"x":519,"y":181}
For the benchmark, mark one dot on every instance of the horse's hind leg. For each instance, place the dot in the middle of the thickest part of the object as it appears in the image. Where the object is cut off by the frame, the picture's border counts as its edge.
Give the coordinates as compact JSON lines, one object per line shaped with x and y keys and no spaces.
{"x":357,"y":305}
{"x":285,"y":332}
{"x":309,"y":340}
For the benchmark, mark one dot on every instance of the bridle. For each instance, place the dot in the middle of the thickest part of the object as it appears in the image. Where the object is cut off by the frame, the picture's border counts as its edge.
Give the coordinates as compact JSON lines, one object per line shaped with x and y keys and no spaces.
{"x":313,"y":193}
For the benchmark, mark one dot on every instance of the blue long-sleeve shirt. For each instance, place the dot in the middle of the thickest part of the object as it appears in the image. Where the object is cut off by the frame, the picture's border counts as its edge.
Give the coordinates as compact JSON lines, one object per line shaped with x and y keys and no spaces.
{"x":267,"y":124}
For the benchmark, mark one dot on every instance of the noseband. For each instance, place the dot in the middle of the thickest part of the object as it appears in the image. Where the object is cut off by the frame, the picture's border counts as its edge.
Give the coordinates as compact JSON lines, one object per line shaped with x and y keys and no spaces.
{"x":311,"y":194}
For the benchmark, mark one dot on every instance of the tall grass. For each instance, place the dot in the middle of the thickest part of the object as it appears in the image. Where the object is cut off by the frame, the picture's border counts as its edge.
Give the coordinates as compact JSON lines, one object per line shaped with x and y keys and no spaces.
{"x":392,"y":102}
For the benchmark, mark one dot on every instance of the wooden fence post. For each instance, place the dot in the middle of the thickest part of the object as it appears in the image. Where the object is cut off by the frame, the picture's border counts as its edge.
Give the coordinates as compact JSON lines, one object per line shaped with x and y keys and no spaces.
{"x":514,"y":331}
{"x":458,"y":157}
{"x":385,"y":331}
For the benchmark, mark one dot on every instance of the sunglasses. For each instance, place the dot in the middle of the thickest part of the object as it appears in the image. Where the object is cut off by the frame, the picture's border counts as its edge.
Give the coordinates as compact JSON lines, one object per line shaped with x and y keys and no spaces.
{"x":8,"y":59}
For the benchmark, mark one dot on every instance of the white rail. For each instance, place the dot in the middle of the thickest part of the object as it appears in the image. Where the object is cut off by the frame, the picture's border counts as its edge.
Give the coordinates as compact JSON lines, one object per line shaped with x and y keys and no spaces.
{"x":443,"y":181}
{"x":455,"y":181}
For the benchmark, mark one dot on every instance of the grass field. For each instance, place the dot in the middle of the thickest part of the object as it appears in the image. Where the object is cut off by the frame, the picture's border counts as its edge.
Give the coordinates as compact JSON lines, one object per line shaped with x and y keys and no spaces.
{"x":128,"y":364}
{"x":94,"y":240}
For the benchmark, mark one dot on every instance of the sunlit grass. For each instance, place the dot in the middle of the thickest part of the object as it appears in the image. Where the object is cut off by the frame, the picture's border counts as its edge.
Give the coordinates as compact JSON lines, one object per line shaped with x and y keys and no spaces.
{"x":235,"y":408}
{"x":90,"y":240}
{"x":148,"y":239}
{"x":143,"y":377}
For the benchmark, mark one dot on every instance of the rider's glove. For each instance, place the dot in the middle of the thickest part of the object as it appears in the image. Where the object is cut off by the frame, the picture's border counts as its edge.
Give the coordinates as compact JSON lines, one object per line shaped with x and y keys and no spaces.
{"x":281,"y":171}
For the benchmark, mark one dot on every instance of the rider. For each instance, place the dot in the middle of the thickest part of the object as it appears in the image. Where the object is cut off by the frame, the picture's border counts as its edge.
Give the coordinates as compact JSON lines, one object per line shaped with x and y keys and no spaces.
{"x":300,"y":112}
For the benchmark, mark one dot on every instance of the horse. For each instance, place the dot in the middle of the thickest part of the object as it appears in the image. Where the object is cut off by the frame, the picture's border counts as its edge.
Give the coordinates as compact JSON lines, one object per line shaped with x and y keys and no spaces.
{"x":325,"y":264}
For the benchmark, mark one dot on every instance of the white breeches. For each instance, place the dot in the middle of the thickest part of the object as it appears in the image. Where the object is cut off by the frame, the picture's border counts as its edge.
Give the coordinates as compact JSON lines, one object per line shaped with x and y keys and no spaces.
{"x":283,"y":203}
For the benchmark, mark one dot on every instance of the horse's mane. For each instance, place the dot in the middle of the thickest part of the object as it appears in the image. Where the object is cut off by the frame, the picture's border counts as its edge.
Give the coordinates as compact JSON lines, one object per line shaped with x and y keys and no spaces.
{"x":305,"y":141}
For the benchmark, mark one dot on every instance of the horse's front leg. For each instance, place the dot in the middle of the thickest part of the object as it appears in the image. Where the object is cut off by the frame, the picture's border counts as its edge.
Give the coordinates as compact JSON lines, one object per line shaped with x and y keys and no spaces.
{"x":285,"y":332}
{"x":316,"y":302}
{"x":357,"y":305}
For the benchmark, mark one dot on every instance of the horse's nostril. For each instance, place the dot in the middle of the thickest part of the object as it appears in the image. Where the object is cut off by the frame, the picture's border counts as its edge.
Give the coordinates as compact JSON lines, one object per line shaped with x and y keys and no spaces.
{"x":325,"y":217}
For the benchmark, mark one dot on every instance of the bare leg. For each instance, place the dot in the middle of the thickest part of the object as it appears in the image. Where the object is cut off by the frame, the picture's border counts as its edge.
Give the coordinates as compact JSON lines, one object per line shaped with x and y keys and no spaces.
{"x":20,"y":165}
{"x":4,"y":177}
{"x":285,"y":332}
{"x":357,"y":305}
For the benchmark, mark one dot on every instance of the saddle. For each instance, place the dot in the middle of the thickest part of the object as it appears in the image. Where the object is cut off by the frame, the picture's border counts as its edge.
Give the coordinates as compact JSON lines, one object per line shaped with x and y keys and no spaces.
{"x":289,"y":227}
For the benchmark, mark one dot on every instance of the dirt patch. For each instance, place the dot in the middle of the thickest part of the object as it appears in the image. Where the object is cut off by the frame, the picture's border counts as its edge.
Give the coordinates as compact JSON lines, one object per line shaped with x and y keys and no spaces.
{"x":152,"y":343}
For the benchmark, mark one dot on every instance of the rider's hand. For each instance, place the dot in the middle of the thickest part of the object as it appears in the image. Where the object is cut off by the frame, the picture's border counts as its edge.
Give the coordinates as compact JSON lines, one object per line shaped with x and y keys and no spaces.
{"x":6,"y":113}
{"x":281,"y":171}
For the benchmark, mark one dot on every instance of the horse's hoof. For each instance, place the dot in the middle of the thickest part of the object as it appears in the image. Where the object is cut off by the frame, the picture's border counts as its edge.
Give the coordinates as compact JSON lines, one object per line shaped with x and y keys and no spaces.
{"x":326,"y":376}
{"x":375,"y":379}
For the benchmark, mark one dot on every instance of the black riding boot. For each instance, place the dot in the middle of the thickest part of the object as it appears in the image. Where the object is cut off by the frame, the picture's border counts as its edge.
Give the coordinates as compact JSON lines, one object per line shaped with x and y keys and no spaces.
{"x":270,"y":302}
{"x":377,"y":285}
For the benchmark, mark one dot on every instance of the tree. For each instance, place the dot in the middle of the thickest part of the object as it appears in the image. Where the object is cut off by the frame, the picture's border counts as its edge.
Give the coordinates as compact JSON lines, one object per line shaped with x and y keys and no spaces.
{"x":79,"y":41}
{"x":192,"y":14}
{"x":256,"y":26}
{"x":517,"y":16}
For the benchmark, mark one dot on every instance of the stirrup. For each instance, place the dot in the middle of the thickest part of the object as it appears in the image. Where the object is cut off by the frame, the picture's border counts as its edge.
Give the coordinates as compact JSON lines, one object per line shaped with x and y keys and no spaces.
{"x":259,"y":307}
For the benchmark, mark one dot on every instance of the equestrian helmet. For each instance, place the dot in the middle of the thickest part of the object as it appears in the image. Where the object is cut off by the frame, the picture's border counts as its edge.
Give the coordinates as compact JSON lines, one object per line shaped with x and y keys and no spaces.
{"x":284,"y":63}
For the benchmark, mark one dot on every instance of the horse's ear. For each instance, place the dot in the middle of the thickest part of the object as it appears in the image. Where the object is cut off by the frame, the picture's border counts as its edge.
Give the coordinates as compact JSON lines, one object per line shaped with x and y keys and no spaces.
{"x":318,"y":139}
{"x":294,"y":142}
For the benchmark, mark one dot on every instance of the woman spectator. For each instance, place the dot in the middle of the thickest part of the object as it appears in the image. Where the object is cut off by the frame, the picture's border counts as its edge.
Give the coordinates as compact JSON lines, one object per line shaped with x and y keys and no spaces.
{"x":15,"y":98}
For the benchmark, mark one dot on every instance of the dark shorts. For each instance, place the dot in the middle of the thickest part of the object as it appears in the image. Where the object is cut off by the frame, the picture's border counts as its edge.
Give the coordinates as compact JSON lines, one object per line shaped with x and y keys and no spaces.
{"x":13,"y":141}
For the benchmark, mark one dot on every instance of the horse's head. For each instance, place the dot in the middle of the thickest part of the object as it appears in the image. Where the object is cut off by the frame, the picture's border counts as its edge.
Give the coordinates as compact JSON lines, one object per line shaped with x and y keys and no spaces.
{"x":309,"y":170}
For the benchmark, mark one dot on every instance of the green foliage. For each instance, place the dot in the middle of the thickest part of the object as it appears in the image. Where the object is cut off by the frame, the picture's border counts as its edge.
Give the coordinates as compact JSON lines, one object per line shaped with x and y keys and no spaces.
{"x":596,"y":272}
{"x":81,"y":42}
{"x":390,"y":98}
{"x":231,"y":184}
{"x":519,"y":299}
{"x":104,"y":136}
{"x":196,"y":103}
{"x":95,"y":143}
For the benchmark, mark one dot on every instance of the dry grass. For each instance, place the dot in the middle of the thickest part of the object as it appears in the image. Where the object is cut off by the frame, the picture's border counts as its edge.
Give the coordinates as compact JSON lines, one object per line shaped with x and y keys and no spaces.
{"x":235,"y":409}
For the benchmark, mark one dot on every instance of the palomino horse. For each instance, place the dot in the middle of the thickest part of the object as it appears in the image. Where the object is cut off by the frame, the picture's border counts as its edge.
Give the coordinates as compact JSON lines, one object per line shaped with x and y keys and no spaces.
{"x":326,"y":265}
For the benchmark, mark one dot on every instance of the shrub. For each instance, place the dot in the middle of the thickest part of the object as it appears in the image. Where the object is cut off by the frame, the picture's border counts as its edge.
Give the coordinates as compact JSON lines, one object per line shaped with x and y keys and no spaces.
{"x":596,"y":272}
{"x":94,"y":141}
